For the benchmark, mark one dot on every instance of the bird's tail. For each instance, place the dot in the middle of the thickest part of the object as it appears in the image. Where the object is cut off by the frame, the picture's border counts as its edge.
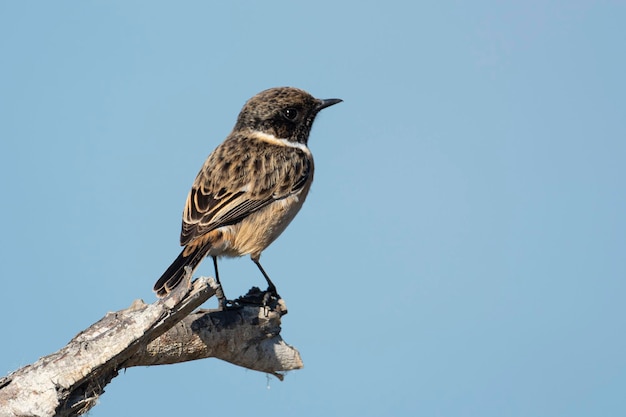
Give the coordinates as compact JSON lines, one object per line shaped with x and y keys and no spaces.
{"x":176,"y":271}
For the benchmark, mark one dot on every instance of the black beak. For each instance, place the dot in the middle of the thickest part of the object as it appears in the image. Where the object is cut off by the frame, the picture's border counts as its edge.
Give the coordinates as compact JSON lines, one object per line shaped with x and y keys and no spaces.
{"x":327,"y":103}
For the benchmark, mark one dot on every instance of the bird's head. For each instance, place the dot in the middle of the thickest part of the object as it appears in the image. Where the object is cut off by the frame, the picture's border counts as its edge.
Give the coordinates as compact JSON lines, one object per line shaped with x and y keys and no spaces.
{"x":285,"y":112}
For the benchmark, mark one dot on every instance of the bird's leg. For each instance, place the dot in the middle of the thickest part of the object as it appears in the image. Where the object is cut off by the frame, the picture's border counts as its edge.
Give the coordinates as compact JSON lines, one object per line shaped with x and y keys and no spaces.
{"x":271,"y":288}
{"x":221,"y":297}
{"x":217,"y":273}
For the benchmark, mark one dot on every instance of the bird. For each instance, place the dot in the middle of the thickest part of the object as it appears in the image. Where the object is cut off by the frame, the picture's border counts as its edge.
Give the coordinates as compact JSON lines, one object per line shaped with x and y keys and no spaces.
{"x":251,"y":186}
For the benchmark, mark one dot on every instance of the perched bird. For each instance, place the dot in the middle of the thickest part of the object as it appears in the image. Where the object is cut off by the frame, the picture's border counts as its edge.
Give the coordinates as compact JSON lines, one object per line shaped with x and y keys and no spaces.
{"x":251,"y":186}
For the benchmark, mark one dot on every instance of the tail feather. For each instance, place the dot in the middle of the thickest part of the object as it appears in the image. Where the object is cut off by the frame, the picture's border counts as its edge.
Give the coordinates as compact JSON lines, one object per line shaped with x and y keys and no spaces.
{"x":176,"y":271}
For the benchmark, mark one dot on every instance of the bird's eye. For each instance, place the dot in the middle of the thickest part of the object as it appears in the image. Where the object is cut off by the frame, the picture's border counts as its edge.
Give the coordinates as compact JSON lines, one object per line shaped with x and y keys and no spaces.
{"x":290,"y":114}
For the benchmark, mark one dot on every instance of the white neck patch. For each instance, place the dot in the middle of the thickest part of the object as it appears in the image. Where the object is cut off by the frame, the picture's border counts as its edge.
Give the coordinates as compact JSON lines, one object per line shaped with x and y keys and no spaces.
{"x":266,"y":137}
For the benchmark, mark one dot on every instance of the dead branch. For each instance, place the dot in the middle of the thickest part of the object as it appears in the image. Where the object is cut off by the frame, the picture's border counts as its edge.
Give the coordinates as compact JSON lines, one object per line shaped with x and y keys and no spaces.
{"x":69,"y":381}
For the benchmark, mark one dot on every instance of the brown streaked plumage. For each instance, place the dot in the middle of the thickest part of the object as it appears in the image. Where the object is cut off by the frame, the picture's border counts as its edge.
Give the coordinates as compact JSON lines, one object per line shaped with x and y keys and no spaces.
{"x":251,"y":186}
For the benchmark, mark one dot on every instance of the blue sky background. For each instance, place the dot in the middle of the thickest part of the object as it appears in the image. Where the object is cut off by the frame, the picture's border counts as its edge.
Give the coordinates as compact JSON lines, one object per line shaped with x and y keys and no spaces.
{"x":463,"y":249}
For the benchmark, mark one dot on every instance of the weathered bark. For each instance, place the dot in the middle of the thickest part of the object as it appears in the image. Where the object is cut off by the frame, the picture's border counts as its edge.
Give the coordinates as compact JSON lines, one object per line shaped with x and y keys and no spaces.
{"x":69,"y":381}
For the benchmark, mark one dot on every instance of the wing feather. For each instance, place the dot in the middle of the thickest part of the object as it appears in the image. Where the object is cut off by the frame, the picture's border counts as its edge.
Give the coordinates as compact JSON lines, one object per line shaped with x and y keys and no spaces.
{"x":233,"y":183}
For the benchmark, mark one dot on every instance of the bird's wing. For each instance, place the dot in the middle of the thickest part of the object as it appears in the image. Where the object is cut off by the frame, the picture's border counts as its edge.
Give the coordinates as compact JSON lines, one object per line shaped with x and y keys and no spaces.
{"x":238,"y":179}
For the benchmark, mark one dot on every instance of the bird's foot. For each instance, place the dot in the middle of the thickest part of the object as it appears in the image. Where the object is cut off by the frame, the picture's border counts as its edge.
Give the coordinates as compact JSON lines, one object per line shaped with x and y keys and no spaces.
{"x":225,"y":303}
{"x":256,"y":297}
{"x":229,"y":304}
{"x":270,"y":296}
